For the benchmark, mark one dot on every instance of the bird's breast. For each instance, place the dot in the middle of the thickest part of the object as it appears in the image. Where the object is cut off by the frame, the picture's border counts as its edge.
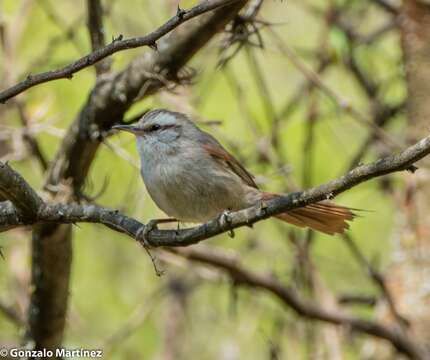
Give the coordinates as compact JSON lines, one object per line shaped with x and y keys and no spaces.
{"x":193,"y":190}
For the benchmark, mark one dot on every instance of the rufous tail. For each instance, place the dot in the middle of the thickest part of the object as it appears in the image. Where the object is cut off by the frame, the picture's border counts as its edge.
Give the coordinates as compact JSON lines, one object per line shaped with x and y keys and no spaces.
{"x":324,"y":216}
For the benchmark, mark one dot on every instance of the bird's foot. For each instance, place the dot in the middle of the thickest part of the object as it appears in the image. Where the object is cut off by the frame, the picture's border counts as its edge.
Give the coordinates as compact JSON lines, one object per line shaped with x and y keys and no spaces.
{"x":143,"y":232}
{"x":263,"y":208}
{"x":142,"y":237}
{"x":225,"y":218}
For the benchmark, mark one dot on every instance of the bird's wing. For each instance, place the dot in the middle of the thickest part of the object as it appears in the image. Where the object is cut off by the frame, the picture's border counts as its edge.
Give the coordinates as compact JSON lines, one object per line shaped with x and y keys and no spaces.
{"x":215,"y":149}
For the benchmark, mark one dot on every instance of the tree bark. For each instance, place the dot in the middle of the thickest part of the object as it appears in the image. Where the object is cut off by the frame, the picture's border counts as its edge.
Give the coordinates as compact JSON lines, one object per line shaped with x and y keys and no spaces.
{"x":409,"y":271}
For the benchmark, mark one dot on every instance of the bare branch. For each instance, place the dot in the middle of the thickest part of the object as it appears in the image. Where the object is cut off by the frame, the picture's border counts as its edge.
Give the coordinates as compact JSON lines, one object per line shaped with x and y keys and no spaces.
{"x":12,"y":314}
{"x":115,"y":46}
{"x":114,"y":94}
{"x":97,"y":35}
{"x":33,"y":145}
{"x":377,"y":278}
{"x":342,"y":103}
{"x":388,"y":6}
{"x":13,"y":187}
{"x":65,"y":213}
{"x":290,"y":298}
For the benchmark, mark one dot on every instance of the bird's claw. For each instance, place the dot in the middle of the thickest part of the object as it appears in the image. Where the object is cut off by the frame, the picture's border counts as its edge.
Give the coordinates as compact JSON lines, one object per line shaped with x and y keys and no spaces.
{"x":143,"y":232}
{"x":263,"y":208}
{"x":225,"y":218}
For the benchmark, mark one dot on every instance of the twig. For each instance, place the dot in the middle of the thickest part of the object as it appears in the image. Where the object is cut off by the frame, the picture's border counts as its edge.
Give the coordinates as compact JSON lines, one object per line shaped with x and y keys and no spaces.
{"x":266,"y":98}
{"x":388,"y":6}
{"x":140,"y":314}
{"x":382,"y":118}
{"x":33,"y":145}
{"x":306,"y":309}
{"x":115,"y":46}
{"x":69,"y":30}
{"x":13,"y":315}
{"x":377,"y":278}
{"x":342,"y":103}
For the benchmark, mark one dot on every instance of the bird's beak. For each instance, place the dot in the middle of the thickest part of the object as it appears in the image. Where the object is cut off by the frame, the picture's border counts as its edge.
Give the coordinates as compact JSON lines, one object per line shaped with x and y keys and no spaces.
{"x":130,"y":128}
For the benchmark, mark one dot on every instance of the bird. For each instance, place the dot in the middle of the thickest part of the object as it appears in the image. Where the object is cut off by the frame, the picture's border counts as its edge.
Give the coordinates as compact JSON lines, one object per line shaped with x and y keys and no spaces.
{"x":193,"y":179}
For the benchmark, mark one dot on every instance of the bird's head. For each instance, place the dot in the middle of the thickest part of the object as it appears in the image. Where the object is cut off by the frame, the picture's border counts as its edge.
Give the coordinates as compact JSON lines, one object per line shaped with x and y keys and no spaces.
{"x":157,"y":126}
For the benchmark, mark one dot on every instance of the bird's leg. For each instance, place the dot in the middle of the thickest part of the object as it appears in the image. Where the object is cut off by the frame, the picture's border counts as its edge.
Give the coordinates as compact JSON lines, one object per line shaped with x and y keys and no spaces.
{"x":152,"y":224}
{"x":142,"y":234}
{"x":225,"y":218}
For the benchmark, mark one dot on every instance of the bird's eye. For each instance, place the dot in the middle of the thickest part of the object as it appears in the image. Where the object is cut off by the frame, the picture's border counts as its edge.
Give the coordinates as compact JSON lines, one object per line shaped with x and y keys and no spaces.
{"x":154,"y":127}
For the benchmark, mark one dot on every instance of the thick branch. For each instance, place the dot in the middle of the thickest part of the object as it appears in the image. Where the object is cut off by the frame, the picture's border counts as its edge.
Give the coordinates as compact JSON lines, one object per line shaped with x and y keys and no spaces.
{"x":115,"y":46}
{"x":290,"y":298}
{"x":64,"y":213}
{"x":14,"y":188}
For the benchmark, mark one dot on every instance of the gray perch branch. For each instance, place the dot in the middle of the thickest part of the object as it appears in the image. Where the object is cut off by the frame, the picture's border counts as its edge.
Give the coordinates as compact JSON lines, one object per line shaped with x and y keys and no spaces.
{"x":27,"y":208}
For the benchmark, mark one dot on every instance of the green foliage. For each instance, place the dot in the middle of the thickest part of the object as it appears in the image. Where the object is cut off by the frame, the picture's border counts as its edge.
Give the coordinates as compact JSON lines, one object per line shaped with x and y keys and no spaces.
{"x":112,"y":275}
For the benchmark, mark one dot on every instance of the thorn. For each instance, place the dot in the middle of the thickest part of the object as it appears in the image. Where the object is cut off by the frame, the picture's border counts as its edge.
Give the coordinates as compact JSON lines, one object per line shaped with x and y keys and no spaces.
{"x":330,"y":196}
{"x":77,"y":225}
{"x":119,"y":38}
{"x":1,"y":253}
{"x":412,"y":169}
{"x":263,"y":208}
{"x":29,"y":77}
{"x":225,"y":217}
{"x":180,"y":13}
{"x":154,"y":46}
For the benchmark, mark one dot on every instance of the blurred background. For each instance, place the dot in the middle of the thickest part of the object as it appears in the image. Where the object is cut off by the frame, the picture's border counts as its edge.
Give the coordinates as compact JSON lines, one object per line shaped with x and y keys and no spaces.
{"x":300,"y":91}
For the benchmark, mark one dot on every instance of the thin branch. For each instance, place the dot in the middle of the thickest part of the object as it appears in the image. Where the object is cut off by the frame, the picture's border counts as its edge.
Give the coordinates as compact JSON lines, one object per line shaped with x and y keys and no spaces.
{"x":291,"y":299}
{"x":265,"y":96}
{"x":55,"y":15}
{"x":96,"y":30}
{"x":32,"y":143}
{"x":377,"y":278}
{"x":304,"y":88}
{"x":138,"y":317}
{"x":342,"y":103}
{"x":115,"y":46}
{"x":73,"y":213}
{"x":115,"y":94}
{"x":388,"y":6}
{"x":11,"y":313}
{"x":383,"y":115}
